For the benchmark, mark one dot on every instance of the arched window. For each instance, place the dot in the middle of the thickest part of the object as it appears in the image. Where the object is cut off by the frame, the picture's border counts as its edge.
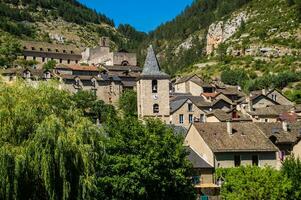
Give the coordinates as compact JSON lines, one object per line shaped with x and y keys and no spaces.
{"x":155,"y":108}
{"x":155,"y":86}
{"x":125,"y":63}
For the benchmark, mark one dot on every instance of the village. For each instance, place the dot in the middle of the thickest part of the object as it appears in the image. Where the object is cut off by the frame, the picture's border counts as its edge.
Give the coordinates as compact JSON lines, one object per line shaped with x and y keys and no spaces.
{"x":223,"y":127}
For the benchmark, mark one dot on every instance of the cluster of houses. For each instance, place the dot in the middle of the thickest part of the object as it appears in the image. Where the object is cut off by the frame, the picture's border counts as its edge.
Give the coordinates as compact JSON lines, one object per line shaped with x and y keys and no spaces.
{"x":224,"y":127}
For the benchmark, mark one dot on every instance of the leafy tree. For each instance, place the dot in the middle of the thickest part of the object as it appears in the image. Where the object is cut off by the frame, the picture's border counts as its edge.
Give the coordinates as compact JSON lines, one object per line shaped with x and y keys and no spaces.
{"x":234,"y":77}
{"x":9,"y":50}
{"x":254,"y":183}
{"x":128,"y":103}
{"x":144,"y":162}
{"x":48,"y":150}
{"x":292,"y":169}
{"x":51,"y":64}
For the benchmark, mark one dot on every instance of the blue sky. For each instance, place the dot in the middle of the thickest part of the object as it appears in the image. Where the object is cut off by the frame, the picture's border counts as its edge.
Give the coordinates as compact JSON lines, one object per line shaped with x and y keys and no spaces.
{"x":144,"y":15}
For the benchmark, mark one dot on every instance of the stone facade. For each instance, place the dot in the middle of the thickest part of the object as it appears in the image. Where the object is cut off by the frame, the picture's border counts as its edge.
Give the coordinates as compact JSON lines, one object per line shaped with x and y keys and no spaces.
{"x":102,"y":55}
{"x":44,"y":52}
{"x":153,"y":90}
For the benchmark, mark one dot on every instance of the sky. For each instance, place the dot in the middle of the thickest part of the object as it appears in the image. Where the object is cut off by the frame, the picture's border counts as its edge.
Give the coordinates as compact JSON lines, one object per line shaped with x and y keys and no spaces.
{"x":144,"y":15}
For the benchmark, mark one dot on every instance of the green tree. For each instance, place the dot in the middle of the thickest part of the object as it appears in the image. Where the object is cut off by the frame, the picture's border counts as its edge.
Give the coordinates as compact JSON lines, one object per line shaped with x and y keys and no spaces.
{"x":128,"y":103}
{"x":254,"y":183}
{"x":234,"y":77}
{"x":292,"y":169}
{"x":48,"y":150}
{"x":51,"y":64}
{"x":144,"y":162}
{"x":10,"y":49}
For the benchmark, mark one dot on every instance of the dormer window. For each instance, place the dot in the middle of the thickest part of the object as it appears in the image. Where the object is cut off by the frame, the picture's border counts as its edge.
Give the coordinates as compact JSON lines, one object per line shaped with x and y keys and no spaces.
{"x":77,"y":82}
{"x":154,"y":86}
{"x":190,"y":106}
{"x":47,"y":75}
{"x":41,"y":49}
{"x":32,"y":48}
{"x":93,"y":82}
{"x":26,"y":74}
{"x":56,"y":50}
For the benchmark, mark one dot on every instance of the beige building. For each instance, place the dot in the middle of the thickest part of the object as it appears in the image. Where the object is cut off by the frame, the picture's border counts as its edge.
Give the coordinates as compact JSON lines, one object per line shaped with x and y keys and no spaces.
{"x":153,"y":90}
{"x":193,"y":85}
{"x":286,"y":136}
{"x":232,"y":144}
{"x":184,"y":112}
{"x":103,"y":55}
{"x":43,"y":52}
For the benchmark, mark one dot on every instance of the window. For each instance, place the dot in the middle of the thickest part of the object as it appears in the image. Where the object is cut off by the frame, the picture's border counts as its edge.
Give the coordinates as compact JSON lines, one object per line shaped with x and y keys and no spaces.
{"x":41,"y":49}
{"x":32,"y":48}
{"x":64,"y":51}
{"x":94,"y":91}
{"x":34,"y":58}
{"x":68,"y":61}
{"x":237,"y":160}
{"x":43,"y":59}
{"x":155,"y":86}
{"x":255,"y":160}
{"x":155,"y":108}
{"x":61,"y":60}
{"x":190,"y":107}
{"x":48,"y":50}
{"x":181,"y":119}
{"x":72,"y":52}
{"x":76,"y":61}
{"x":190,"y":118}
{"x":25,"y":57}
{"x":202,"y":118}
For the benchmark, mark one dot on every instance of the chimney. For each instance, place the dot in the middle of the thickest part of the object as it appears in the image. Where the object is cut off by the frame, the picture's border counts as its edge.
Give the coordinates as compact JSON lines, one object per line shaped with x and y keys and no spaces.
{"x":264,"y":91}
{"x":250,"y":104}
{"x":285,"y":126}
{"x":229,"y":128}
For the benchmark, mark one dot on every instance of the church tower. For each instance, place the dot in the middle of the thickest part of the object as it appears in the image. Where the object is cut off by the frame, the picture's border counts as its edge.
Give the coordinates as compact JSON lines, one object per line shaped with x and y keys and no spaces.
{"x":153,"y":90}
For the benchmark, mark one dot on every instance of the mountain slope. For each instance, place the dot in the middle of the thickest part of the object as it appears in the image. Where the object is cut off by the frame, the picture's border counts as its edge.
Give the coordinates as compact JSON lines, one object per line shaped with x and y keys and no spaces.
{"x":62,"y":21}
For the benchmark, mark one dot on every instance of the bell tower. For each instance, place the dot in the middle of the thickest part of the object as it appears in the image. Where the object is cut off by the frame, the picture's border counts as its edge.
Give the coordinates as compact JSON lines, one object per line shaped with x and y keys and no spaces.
{"x":153,"y":90}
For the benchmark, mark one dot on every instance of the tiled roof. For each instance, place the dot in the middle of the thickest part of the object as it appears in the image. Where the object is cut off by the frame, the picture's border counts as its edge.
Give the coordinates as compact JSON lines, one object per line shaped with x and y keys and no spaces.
{"x":246,"y":137}
{"x":78,"y":67}
{"x":293,"y":135}
{"x":275,"y":110}
{"x":197,"y":161}
{"x":39,"y":73}
{"x":151,"y":67}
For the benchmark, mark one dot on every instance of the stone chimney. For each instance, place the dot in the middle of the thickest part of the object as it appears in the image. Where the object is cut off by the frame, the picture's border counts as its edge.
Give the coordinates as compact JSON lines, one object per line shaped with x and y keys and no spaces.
{"x":229,"y":128}
{"x":250,"y":104}
{"x":285,"y":126}
{"x":264,"y":91}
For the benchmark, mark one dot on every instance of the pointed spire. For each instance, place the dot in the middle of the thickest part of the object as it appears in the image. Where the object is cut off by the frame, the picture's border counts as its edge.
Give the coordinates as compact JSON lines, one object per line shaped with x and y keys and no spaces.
{"x":151,"y":65}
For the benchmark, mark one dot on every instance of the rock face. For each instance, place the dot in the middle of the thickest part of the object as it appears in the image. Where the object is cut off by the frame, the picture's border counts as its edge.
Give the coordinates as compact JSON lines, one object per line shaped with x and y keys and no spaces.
{"x":220,"y":31}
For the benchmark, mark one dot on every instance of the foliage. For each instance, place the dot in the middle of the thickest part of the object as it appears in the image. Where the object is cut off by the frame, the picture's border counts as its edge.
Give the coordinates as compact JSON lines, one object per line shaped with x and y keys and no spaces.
{"x":48,"y":149}
{"x":294,"y":95}
{"x":234,"y":77}
{"x":51,"y":64}
{"x":254,"y":183}
{"x":128,"y":103}
{"x":95,"y":109}
{"x":144,"y":162}
{"x":10,"y":48}
{"x":292,"y":169}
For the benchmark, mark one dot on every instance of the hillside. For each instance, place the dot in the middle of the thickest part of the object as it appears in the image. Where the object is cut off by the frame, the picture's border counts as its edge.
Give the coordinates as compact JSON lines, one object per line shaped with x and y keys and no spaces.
{"x":63,"y":21}
{"x":260,"y":39}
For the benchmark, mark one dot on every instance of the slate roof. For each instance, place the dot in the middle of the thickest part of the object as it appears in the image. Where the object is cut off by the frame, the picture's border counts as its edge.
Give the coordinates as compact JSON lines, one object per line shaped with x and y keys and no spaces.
{"x":246,"y":137}
{"x":275,"y":110}
{"x":224,"y":116}
{"x":175,"y":105}
{"x":197,"y":100}
{"x":293,"y":135}
{"x":197,"y":161}
{"x":151,"y":67}
{"x":39,"y":73}
{"x":123,"y":68}
{"x":78,"y":68}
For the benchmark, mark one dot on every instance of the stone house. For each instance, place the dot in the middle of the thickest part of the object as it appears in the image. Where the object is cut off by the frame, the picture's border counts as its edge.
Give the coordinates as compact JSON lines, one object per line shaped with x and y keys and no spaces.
{"x":273,"y":113}
{"x":102,"y":55}
{"x":232,"y":144}
{"x":153,"y":90}
{"x":227,"y":116}
{"x":185,"y":111}
{"x":32,"y":75}
{"x":105,"y":88}
{"x":43,"y":52}
{"x":193,"y":85}
{"x":286,"y":136}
